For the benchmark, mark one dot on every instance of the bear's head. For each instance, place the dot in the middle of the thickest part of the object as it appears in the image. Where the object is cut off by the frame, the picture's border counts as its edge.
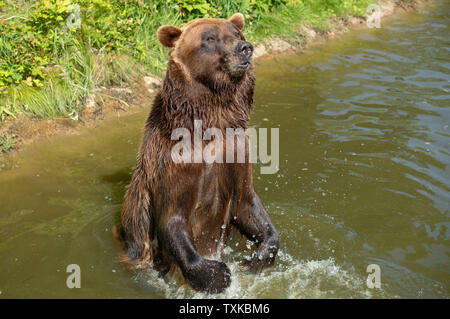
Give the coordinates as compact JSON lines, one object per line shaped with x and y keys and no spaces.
{"x":212,"y":52}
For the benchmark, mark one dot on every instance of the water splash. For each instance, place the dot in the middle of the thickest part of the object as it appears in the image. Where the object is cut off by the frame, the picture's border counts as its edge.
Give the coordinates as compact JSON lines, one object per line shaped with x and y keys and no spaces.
{"x":289,"y":278}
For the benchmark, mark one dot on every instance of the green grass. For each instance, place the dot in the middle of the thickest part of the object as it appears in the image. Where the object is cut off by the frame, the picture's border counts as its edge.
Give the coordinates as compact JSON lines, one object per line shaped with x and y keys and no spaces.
{"x":7,"y":143}
{"x":49,"y":70}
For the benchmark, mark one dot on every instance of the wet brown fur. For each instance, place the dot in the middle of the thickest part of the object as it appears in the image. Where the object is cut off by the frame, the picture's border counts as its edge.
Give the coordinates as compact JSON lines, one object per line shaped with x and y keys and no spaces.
{"x":174,"y":213}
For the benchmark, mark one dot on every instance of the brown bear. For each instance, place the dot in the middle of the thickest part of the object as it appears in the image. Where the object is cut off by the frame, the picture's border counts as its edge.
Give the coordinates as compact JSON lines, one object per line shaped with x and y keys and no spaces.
{"x":175,"y":213}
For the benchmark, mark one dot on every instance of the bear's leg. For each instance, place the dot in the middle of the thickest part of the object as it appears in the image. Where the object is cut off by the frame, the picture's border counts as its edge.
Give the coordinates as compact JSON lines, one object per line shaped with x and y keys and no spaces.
{"x":254,"y":222}
{"x":202,"y":274}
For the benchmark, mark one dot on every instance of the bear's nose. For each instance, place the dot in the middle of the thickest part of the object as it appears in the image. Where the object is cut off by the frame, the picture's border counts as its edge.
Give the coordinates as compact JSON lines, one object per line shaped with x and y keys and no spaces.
{"x":244,"y":48}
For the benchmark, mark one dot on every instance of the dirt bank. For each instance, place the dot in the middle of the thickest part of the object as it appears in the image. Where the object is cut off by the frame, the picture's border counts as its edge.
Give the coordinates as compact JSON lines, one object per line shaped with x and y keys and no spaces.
{"x":119,"y":101}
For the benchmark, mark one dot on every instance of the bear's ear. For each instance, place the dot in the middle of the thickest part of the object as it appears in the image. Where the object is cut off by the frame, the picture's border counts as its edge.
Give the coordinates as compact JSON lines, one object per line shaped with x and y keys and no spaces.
{"x":168,"y":34}
{"x":238,"y":20}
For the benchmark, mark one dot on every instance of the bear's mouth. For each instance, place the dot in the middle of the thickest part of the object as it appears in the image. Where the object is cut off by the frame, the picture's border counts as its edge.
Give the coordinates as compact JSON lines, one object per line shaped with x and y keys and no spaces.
{"x":236,"y":67}
{"x":244,"y":65}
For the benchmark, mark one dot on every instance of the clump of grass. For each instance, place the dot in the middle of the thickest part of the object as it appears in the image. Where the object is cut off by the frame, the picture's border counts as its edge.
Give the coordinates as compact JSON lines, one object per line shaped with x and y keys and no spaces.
{"x":7,"y":142}
{"x":284,"y":23}
{"x":67,"y":84}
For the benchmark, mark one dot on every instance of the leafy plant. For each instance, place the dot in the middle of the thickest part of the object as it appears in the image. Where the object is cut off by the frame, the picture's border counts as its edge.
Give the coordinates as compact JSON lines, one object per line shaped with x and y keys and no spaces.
{"x":7,"y":142}
{"x":5,"y":112}
{"x":192,"y":8}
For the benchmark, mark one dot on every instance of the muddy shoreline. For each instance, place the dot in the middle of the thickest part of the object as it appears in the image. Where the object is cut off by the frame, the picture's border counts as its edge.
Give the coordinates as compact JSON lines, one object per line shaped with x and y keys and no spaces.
{"x":122,"y":101}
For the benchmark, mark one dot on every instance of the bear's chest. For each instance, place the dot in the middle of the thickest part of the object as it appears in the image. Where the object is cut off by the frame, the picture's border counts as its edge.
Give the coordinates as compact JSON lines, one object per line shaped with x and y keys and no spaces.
{"x":217,"y":199}
{"x":218,"y":184}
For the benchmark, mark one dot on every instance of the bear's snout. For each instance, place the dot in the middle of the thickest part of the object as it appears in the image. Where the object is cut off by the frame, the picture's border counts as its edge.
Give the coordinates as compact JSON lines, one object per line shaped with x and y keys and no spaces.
{"x":244,"y":50}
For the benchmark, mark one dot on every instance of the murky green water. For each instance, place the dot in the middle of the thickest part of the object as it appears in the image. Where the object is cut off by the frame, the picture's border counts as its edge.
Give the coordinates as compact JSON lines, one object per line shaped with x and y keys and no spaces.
{"x":364,"y":179}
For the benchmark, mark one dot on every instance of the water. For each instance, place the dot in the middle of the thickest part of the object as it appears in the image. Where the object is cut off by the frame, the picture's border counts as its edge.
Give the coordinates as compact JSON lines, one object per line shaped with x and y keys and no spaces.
{"x":364,"y":179}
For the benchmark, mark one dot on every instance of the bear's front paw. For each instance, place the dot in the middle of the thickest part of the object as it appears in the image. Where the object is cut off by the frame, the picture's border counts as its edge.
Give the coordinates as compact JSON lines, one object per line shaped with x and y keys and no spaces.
{"x":258,"y":261}
{"x":209,"y":275}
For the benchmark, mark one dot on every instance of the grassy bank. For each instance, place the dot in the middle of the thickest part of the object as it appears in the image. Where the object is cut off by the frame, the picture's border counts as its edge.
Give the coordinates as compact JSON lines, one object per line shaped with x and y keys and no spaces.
{"x":54,"y":53}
